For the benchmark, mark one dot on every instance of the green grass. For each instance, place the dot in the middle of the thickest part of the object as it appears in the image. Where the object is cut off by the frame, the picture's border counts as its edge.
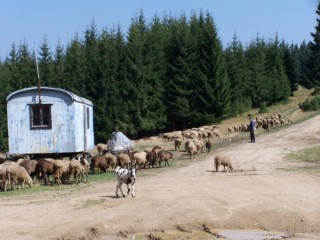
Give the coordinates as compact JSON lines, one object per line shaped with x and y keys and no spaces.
{"x":309,"y":155}
{"x":41,"y":188}
{"x":309,"y":159}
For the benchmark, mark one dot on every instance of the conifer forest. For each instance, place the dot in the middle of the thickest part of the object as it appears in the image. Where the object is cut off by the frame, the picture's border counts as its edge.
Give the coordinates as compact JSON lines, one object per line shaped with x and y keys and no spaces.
{"x":171,"y":73}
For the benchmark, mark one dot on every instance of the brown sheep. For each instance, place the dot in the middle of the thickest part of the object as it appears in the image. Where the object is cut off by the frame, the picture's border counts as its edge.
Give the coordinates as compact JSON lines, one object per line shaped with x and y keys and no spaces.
{"x":177,"y":144}
{"x":224,"y":161}
{"x":123,"y":160}
{"x":58,"y":167}
{"x":65,"y":177}
{"x":77,"y":170}
{"x":44,"y":169}
{"x":111,"y":161}
{"x":99,"y":161}
{"x":151,"y":158}
{"x":101,"y":147}
{"x":192,"y":149}
{"x":85,"y":169}
{"x":30,"y":166}
{"x":164,"y":156}
{"x":16,"y":173}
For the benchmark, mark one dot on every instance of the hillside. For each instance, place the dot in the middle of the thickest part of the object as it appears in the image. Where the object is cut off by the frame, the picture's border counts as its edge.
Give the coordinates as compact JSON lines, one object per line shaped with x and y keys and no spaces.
{"x":266,"y":195}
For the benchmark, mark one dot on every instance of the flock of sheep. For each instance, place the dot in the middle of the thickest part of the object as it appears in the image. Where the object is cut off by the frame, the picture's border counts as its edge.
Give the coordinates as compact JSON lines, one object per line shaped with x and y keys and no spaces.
{"x":262,"y":122}
{"x":24,"y":171}
{"x":195,"y":141}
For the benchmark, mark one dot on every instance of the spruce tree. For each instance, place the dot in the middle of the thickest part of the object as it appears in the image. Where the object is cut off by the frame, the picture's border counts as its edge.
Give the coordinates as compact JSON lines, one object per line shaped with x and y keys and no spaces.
{"x":314,"y":76}
{"x":237,"y":73}
{"x":292,"y":65}
{"x":45,"y":64}
{"x":177,"y":76}
{"x":59,"y":68}
{"x":74,"y":67}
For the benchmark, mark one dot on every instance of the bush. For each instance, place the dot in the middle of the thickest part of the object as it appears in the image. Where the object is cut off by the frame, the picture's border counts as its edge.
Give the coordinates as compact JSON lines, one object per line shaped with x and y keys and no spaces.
{"x":263,"y":108}
{"x":310,"y":105}
{"x":316,"y":91}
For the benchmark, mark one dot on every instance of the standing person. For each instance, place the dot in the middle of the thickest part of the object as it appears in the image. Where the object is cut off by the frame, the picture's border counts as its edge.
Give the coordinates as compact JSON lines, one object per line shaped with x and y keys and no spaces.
{"x":252,"y":128}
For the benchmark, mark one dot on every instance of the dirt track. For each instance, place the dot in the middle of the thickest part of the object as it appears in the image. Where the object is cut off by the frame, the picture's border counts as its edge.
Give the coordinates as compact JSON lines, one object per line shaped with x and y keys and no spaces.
{"x":257,"y":195}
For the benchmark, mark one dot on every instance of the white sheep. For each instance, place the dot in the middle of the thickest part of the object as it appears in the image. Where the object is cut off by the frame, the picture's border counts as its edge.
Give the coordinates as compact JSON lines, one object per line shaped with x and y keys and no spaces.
{"x":3,"y":169}
{"x":225,"y":161}
{"x":192,"y":149}
{"x":199,"y":145}
{"x":16,"y":173}
{"x":140,"y":159}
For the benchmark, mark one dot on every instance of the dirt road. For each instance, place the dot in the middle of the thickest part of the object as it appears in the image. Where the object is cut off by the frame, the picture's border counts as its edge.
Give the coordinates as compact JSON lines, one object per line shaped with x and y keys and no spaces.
{"x":259,"y":194}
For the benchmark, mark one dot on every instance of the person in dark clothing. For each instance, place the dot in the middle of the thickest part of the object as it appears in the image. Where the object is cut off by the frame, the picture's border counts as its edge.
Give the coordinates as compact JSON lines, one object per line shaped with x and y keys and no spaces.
{"x":252,"y":128}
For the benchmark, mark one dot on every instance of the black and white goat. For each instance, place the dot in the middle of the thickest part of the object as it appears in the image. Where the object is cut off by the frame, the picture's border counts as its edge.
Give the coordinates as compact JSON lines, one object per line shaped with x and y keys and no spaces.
{"x":125,"y":176}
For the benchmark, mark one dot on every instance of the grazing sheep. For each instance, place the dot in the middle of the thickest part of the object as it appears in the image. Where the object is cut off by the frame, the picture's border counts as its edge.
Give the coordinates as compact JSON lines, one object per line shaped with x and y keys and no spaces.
{"x":111,"y":161}
{"x":3,"y":169}
{"x":125,"y":176}
{"x":123,"y":160}
{"x":199,"y":145}
{"x":224,"y":161}
{"x":44,"y":169}
{"x":76,"y":169}
{"x":192,"y":149}
{"x":177,"y":144}
{"x":101,"y":147}
{"x":217,"y":133}
{"x":151,"y":158}
{"x":99,"y":161}
{"x":131,"y":154}
{"x":16,"y":173}
{"x":265,"y":126}
{"x":140,"y":158}
{"x":30,"y":166}
{"x":65,"y":177}
{"x":186,"y":144}
{"x":58,"y":167}
{"x":85,"y":167}
{"x":164,"y":156}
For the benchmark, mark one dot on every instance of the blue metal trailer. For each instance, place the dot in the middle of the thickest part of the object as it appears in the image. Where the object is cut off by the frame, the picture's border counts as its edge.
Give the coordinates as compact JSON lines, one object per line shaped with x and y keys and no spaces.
{"x":49,"y":122}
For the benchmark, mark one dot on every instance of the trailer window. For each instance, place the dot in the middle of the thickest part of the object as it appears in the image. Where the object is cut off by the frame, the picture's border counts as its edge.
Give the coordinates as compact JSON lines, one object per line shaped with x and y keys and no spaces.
{"x":40,"y":116}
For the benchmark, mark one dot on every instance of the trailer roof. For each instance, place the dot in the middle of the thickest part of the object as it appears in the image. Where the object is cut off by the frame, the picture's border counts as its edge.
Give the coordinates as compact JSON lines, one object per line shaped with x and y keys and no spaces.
{"x":73,"y":96}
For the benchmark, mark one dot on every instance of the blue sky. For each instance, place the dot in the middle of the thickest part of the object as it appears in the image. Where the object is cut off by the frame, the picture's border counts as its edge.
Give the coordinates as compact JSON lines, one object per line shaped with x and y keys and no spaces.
{"x":61,"y":20}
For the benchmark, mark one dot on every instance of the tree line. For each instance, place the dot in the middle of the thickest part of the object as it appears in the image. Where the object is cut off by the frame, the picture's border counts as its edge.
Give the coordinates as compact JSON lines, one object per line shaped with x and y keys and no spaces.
{"x":169,"y":74}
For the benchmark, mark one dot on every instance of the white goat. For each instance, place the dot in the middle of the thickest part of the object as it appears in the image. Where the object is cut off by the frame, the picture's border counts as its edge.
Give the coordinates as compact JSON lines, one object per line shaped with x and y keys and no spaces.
{"x":125,"y":176}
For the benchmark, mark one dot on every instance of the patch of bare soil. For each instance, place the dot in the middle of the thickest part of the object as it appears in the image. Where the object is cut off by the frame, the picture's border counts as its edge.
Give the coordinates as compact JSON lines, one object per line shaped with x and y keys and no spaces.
{"x":257,"y":195}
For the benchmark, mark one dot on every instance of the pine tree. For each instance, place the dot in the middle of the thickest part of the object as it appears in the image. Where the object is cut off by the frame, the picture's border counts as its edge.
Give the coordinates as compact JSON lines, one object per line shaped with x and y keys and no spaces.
{"x":279,"y":86}
{"x":305,"y":61}
{"x":5,"y":90}
{"x":258,"y":87}
{"x":314,"y":76}
{"x":211,"y":96}
{"x":45,"y":64}
{"x":237,"y":73}
{"x":292,"y":65}
{"x":177,"y":76}
{"x":74,"y":67}
{"x":27,"y":69}
{"x":59,"y":68}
